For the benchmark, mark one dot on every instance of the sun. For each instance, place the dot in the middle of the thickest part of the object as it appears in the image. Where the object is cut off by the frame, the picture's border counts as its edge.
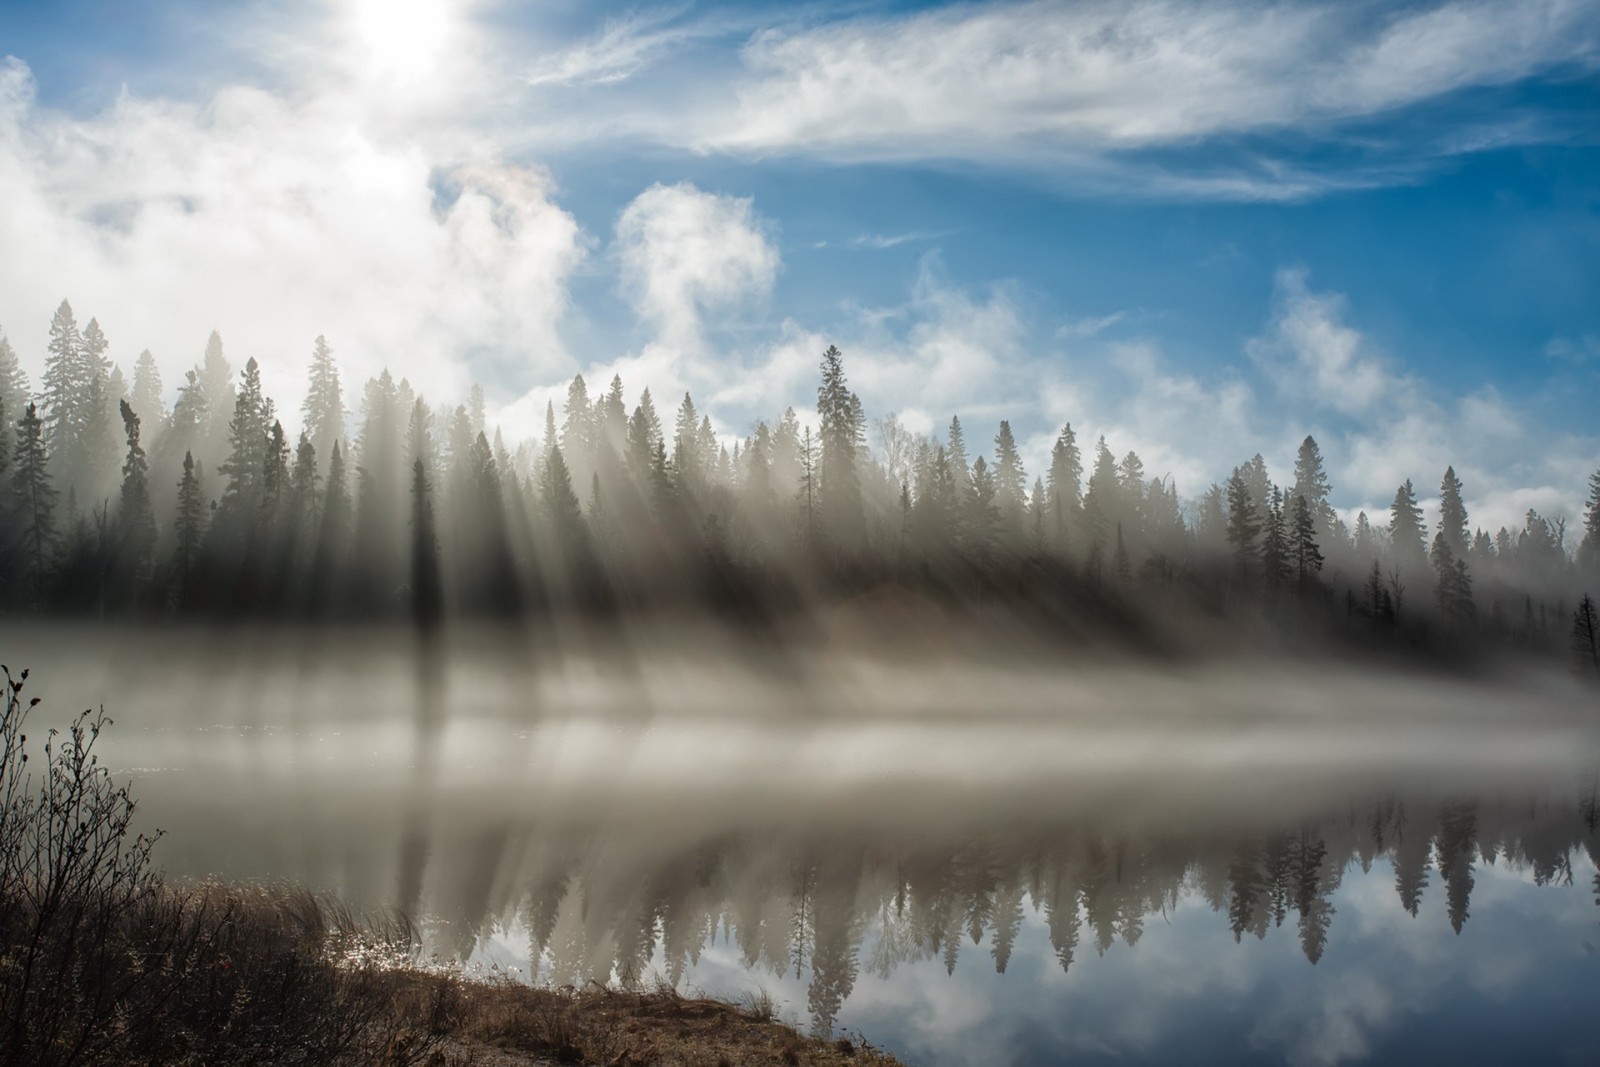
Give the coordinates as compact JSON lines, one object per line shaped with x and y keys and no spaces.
{"x":402,"y":39}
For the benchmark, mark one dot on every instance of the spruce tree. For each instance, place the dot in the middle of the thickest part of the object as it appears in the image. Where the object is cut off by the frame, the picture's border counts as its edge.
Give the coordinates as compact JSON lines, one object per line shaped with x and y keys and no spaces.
{"x":1065,"y":487}
{"x":1406,"y":529}
{"x":146,"y":397}
{"x":1311,"y":482}
{"x":1010,"y":481}
{"x":1101,"y":503}
{"x":323,"y":411}
{"x":1589,"y":547}
{"x":1303,"y":539}
{"x":136,"y":521}
{"x":33,"y":498}
{"x":838,"y":479}
{"x":13,"y":383}
{"x":983,"y":514}
{"x":427,"y":593}
{"x":1453,"y":514}
{"x":189,"y":526}
{"x":247,"y":455}
{"x":644,"y":434}
{"x":1276,"y":564}
{"x":1244,"y":523}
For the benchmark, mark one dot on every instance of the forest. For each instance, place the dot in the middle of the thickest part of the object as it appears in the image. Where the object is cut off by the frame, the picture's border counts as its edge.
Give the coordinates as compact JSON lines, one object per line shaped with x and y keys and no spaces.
{"x":117,"y":507}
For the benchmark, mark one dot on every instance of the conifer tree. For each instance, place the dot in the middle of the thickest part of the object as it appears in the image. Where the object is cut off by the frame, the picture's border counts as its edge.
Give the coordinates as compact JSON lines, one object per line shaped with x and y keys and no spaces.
{"x":1303,"y":541}
{"x":146,"y":396}
{"x":333,"y":538}
{"x":427,"y":593}
{"x":1453,"y":514}
{"x":687,"y":462}
{"x":1586,"y":635}
{"x":1589,"y":547}
{"x":1406,"y":529}
{"x":1276,"y":565}
{"x":33,"y":498}
{"x":274,"y":477}
{"x":644,"y":434}
{"x":1101,"y":504}
{"x":189,"y":525}
{"x":960,"y":465}
{"x":13,"y":383}
{"x":983,"y":518}
{"x":1244,"y":523}
{"x":136,"y":520}
{"x":247,"y":453}
{"x":66,"y":394}
{"x":303,"y":504}
{"x":1065,"y":487}
{"x":1010,"y":481}
{"x":323,"y":411}
{"x":1452,"y":588}
{"x":1311,"y":482}
{"x":838,"y":479}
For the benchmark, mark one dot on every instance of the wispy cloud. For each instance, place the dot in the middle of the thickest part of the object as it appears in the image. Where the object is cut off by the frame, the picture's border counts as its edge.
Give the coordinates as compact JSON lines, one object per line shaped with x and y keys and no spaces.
{"x":623,"y":48}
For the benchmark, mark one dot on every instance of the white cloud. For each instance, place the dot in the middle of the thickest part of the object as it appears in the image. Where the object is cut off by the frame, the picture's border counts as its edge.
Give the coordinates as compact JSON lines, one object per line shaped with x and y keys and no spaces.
{"x":275,"y":220}
{"x":684,"y":252}
{"x":1310,"y":351}
{"x":624,"y":47}
{"x":1032,"y":79}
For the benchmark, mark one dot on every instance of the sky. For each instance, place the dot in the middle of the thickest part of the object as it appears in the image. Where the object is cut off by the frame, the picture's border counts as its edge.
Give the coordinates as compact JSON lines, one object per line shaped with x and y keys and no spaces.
{"x":1203,"y":230}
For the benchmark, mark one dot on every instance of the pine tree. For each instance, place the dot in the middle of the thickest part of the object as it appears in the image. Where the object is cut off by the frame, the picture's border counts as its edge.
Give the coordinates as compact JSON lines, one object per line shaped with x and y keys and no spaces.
{"x":1589,"y":547}
{"x":1586,"y":635}
{"x":1244,"y":523}
{"x":136,"y":519}
{"x":560,"y":501}
{"x":33,"y":501}
{"x":960,"y":465}
{"x":644,"y":434}
{"x":247,"y":453}
{"x":1311,"y":482}
{"x":323,"y":411}
{"x":1101,"y":503}
{"x":303,"y":505}
{"x":1010,"y":481}
{"x":146,"y":397}
{"x":1406,"y":529}
{"x":334,"y":536}
{"x":1276,"y":564}
{"x":1065,"y":487}
{"x":14,"y":387}
{"x":1303,"y":539}
{"x":1453,"y":514}
{"x":427,"y":593}
{"x":274,"y":477}
{"x":1452,"y":588}
{"x":687,"y":461}
{"x":190,"y":526}
{"x":838,"y":479}
{"x":66,"y":395}
{"x":983,"y":517}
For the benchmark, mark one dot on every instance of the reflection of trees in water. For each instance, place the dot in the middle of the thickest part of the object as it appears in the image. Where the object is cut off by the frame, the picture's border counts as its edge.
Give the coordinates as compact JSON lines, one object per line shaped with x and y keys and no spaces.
{"x":615,"y":909}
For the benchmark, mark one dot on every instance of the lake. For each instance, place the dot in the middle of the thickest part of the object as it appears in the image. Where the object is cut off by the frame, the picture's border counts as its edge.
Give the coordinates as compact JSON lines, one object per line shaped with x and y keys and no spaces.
{"x":969,"y":857}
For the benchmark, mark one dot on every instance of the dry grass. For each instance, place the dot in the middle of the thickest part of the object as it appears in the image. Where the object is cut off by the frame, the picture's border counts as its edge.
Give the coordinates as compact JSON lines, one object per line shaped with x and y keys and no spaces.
{"x":503,"y":1020}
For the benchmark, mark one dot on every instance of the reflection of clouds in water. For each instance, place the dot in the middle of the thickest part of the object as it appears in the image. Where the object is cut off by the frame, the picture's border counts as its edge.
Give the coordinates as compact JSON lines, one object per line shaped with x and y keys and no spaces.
{"x":875,"y":820}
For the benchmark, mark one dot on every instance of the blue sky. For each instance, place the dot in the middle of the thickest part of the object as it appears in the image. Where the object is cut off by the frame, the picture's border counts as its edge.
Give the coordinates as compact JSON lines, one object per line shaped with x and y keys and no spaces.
{"x":1203,"y":230}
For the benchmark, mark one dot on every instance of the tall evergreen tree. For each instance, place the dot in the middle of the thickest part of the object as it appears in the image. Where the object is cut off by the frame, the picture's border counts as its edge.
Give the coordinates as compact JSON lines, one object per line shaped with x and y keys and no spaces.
{"x":1311,"y":482}
{"x":1102,"y":500}
{"x":146,"y":397}
{"x":427,"y":593}
{"x":1010,"y":481}
{"x":644,"y":434}
{"x":1406,"y":529}
{"x":1065,"y":487}
{"x":1453,"y":515}
{"x":838,"y":479}
{"x":1276,"y":562}
{"x":1303,"y":541}
{"x":247,"y":456}
{"x":33,"y":502}
{"x":1589,"y":547}
{"x":1244,"y":523}
{"x":333,"y":537}
{"x":136,"y":520}
{"x":983,"y":518}
{"x":323,"y":411}
{"x":66,"y":395}
{"x":14,"y":389}
{"x":189,"y":526}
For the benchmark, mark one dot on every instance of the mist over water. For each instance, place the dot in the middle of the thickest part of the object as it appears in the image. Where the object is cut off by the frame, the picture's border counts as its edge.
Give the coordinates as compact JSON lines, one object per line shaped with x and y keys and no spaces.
{"x":850,"y":827}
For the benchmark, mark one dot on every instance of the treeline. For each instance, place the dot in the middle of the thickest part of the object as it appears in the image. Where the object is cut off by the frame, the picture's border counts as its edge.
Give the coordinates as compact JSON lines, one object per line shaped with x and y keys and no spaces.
{"x":116,"y":505}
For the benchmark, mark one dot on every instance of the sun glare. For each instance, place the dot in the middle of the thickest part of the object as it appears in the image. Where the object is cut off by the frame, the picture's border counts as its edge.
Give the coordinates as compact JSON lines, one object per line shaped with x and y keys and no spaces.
{"x":402,"y":39}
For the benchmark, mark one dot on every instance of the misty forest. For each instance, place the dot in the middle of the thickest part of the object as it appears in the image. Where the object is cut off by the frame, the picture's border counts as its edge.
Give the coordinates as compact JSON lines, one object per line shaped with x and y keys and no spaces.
{"x":387,"y":506}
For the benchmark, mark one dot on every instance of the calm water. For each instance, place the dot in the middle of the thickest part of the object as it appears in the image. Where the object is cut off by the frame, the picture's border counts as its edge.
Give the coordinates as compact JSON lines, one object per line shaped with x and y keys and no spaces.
{"x":969,"y":860}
